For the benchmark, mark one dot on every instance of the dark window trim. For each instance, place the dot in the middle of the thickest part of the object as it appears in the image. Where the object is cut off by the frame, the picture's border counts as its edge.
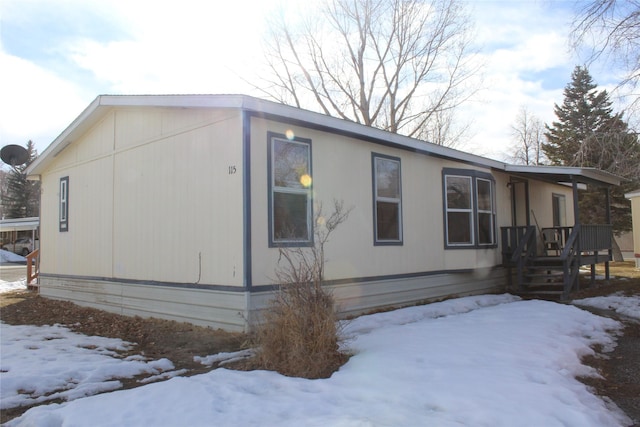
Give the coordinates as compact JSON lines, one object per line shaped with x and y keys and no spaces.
{"x":474,"y":175}
{"x":289,"y":243}
{"x":63,"y":205}
{"x":377,"y":242}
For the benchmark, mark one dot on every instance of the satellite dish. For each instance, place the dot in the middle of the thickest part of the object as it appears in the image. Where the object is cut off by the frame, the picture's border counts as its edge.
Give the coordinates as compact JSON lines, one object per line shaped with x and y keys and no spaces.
{"x":14,"y":154}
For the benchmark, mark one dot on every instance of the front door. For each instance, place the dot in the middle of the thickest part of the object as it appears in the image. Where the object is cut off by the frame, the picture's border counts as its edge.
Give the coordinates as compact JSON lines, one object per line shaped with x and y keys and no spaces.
{"x":519,"y":202}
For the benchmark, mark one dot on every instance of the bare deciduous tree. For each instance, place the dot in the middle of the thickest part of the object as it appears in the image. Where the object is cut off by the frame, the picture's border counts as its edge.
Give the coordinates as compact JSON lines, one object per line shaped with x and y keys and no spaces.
{"x":391,"y":64}
{"x":528,"y":136}
{"x":611,"y":28}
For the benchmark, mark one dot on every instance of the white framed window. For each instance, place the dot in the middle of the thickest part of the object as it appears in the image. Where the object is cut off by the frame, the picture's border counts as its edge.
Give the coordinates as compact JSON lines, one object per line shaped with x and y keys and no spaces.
{"x":387,"y":200}
{"x":486,"y":212}
{"x":64,"y":204}
{"x":469,"y":209}
{"x":290,"y":204}
{"x":459,"y":207}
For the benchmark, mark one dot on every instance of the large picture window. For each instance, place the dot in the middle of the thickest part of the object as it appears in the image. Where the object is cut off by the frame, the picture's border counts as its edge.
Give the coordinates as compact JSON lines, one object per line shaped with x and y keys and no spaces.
{"x":387,"y":196}
{"x":290,"y":191}
{"x":64,"y":204}
{"x":469,"y":209}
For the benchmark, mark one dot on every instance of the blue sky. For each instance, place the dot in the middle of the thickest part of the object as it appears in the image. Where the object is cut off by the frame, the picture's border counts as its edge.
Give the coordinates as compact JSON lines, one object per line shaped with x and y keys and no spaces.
{"x":56,"y":56}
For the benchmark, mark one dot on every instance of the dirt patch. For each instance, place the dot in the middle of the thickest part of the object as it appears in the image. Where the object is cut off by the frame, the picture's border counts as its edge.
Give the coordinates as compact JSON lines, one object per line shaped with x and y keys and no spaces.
{"x":620,"y":372}
{"x":155,"y":338}
{"x":620,"y":369}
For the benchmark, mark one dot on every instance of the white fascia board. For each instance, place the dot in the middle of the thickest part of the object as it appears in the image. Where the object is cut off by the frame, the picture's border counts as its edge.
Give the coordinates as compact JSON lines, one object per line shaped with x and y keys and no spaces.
{"x":588,"y":173}
{"x":64,"y":139}
{"x":633,"y":194}
{"x":258,"y":105}
{"x":104,"y":102}
{"x":357,"y":129}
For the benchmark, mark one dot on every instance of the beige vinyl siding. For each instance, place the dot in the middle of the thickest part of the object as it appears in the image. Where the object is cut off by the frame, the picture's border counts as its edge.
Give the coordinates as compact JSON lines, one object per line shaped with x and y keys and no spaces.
{"x":153,"y":186}
{"x":541,"y":194}
{"x":635,"y":213}
{"x":89,"y":168}
{"x":176,"y":209}
{"x":351,"y":252}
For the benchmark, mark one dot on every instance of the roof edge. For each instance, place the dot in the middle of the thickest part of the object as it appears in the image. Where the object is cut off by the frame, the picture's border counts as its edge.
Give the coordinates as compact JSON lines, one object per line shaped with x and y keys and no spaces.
{"x":632,"y":194}
{"x":589,"y":174}
{"x":102,"y":103}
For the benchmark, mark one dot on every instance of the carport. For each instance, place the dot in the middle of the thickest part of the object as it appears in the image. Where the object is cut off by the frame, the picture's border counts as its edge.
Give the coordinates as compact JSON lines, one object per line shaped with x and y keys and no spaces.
{"x":9,"y":229}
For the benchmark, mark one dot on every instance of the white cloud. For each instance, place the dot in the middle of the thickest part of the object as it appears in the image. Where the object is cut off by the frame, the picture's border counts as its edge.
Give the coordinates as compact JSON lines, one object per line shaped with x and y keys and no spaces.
{"x":186,"y":47}
{"x":35,"y":103}
{"x":527,"y":65}
{"x":191,"y":46}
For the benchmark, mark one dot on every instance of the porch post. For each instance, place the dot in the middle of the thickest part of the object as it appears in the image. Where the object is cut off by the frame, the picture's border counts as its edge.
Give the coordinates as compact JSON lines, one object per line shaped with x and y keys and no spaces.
{"x":576,"y":223}
{"x":526,"y":201}
{"x":576,"y":205}
{"x":512,"y":189}
{"x":609,"y":222}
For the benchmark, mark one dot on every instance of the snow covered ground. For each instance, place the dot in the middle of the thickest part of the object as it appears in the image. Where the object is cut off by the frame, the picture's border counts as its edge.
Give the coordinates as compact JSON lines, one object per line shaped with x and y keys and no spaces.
{"x":44,"y":363}
{"x":475,"y":361}
{"x":627,"y":306}
{"x":20,"y":285}
{"x":8,"y":256}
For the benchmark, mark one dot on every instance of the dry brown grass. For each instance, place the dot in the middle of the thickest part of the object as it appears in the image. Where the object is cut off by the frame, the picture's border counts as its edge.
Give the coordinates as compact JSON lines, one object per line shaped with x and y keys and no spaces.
{"x":299,"y":335}
{"x":625,"y":279}
{"x":621,"y":269}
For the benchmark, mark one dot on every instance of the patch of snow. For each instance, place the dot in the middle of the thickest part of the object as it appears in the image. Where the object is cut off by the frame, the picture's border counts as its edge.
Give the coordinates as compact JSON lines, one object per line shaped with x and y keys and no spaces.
{"x":224,"y":358}
{"x":163,"y":376}
{"x":627,"y":306}
{"x":20,"y":285}
{"x":43,"y":363}
{"x":476,"y":361}
{"x":8,"y":256}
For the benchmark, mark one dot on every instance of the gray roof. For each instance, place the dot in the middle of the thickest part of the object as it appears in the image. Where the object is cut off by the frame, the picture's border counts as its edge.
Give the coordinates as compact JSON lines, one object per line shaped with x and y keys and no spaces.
{"x":104,"y":103}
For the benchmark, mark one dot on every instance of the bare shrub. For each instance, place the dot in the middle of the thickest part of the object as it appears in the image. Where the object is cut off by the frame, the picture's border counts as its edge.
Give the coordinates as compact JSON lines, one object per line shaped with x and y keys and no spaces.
{"x":299,"y":334}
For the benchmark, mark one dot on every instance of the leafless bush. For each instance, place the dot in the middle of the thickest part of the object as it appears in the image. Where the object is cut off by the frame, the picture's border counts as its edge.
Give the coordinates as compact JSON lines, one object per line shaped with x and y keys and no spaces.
{"x":299,"y":334}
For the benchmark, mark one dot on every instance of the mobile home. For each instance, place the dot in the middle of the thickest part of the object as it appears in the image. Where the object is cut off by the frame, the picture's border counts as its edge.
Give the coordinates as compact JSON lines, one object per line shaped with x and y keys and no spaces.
{"x":175,"y":206}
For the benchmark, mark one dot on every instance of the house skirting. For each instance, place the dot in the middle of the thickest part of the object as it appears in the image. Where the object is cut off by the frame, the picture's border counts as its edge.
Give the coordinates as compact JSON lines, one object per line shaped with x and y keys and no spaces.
{"x":235,"y":309}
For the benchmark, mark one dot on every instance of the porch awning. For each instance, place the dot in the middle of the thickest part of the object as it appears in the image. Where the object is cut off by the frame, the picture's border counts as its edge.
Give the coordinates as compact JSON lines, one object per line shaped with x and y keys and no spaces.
{"x":19,"y":224}
{"x":566,"y":174}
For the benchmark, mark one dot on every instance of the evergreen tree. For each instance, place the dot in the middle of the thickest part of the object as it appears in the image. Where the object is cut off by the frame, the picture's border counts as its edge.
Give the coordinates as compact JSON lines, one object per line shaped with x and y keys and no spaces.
{"x":589,"y":134}
{"x":22,"y":197}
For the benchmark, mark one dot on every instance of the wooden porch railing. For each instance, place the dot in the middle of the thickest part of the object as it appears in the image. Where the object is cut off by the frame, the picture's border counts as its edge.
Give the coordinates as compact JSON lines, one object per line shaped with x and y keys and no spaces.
{"x":596,"y":237}
{"x":518,"y":247}
{"x":33,"y":267}
{"x":570,"y":257}
{"x":582,"y":246}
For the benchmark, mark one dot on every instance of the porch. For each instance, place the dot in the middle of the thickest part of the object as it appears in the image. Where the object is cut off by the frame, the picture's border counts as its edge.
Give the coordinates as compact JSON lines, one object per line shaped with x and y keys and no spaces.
{"x":546,"y":262}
